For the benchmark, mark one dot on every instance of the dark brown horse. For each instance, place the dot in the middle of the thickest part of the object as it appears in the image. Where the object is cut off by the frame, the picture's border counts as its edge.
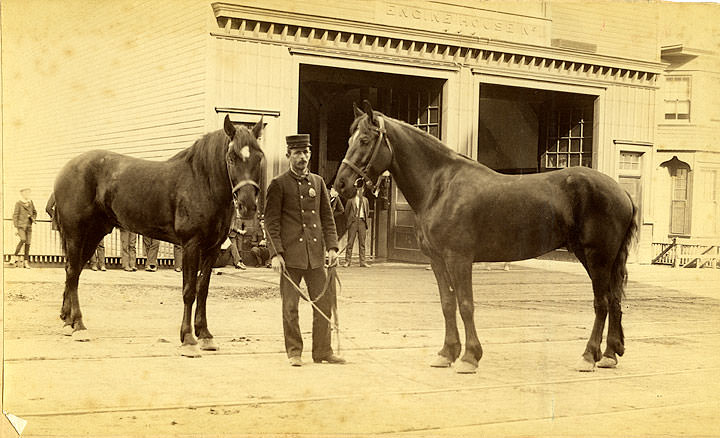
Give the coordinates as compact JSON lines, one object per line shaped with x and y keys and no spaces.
{"x":186,"y":200}
{"x":466,"y":213}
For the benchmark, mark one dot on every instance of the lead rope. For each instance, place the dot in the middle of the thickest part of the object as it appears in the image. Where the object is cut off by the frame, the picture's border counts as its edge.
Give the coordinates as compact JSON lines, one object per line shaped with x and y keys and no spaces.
{"x":330,"y":277}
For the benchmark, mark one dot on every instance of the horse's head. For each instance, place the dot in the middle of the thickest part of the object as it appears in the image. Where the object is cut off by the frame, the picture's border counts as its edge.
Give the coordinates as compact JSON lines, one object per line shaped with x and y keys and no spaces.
{"x":369,"y":152}
{"x":245,"y":161}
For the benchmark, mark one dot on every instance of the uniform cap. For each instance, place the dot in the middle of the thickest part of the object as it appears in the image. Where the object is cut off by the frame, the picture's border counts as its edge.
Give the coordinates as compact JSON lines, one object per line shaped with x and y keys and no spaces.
{"x":298,"y":141}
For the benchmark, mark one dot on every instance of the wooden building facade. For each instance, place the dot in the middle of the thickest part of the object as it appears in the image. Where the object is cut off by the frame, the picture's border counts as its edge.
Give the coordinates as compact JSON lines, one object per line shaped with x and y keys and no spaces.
{"x":521,"y":87}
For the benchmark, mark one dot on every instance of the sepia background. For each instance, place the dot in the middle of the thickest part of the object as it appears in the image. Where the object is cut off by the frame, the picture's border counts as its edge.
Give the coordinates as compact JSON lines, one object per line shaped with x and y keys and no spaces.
{"x":628,"y":88}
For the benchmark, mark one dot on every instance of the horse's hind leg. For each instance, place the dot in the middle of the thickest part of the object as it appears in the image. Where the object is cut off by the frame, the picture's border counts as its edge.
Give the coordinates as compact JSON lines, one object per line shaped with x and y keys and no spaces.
{"x":205,"y":338}
{"x":79,"y":250}
{"x":460,"y":271}
{"x":599,"y":272}
{"x":451,"y":347}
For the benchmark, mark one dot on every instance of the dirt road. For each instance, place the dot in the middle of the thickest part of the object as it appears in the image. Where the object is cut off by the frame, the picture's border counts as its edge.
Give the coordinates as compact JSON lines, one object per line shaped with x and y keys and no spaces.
{"x":533,"y":322}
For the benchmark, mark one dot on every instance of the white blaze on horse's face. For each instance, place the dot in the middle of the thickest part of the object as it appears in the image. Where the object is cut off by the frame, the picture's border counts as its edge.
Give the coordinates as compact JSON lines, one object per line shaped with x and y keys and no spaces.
{"x":245,"y":153}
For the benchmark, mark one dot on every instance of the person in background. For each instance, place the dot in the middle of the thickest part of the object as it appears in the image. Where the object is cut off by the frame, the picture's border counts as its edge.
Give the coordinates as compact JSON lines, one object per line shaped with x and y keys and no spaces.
{"x":24,"y":216}
{"x":300,"y":228}
{"x":152,"y":247}
{"x":235,"y":236}
{"x":97,"y":260}
{"x":128,"y":240}
{"x":252,"y":244}
{"x":357,"y":211}
{"x":339,"y":216}
{"x":177,"y":257}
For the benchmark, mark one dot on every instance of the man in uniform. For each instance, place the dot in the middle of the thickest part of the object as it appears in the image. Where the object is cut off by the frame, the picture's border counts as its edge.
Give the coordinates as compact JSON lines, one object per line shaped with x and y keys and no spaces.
{"x":300,"y":228}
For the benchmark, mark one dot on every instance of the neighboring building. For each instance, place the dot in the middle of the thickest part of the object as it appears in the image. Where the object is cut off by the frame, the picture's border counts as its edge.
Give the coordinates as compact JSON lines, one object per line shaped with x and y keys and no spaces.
{"x":520,"y":86}
{"x":687,"y":180}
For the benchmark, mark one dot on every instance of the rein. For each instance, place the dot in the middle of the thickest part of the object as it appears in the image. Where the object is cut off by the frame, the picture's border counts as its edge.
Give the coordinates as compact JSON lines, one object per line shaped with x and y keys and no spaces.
{"x":376,"y":147}
{"x":330,"y":278}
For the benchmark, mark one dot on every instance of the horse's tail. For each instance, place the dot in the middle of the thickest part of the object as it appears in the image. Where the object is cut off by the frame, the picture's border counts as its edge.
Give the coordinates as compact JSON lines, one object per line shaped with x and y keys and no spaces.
{"x":619,"y":275}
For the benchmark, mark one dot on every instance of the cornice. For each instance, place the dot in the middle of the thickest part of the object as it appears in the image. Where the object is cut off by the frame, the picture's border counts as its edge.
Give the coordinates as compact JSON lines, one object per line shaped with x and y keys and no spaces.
{"x":314,"y":34}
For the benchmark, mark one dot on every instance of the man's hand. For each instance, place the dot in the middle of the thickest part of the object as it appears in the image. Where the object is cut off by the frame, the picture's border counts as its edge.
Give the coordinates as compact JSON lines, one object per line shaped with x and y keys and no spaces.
{"x":278,"y":263}
{"x":332,"y":257}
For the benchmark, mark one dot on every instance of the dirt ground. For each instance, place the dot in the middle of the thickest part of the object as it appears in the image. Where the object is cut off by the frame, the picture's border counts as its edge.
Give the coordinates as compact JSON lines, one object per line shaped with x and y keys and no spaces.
{"x":533,"y":322}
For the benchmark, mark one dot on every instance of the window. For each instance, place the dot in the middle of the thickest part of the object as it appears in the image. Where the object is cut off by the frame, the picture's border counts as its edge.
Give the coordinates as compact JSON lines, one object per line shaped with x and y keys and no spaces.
{"x":569,"y":138}
{"x":421,"y":109}
{"x":679,"y":206}
{"x":630,"y":160}
{"x":677,"y":98}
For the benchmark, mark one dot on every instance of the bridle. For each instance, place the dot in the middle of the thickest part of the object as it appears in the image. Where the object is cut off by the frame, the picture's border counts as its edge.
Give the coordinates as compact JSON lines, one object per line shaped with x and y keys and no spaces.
{"x":240,"y":184}
{"x":376,"y":147}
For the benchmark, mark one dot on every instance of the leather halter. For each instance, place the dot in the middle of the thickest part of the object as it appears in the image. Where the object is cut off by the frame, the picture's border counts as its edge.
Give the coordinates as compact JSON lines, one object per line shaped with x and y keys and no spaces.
{"x":241,"y":183}
{"x":376,"y":147}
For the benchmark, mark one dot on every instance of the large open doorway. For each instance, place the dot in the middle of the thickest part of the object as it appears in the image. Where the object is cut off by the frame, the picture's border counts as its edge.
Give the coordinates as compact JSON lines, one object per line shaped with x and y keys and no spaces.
{"x":524,"y":130}
{"x":326,"y":113}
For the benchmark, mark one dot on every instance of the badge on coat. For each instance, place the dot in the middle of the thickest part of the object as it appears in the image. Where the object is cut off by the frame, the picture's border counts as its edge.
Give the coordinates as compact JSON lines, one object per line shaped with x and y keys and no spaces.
{"x":311,"y":192}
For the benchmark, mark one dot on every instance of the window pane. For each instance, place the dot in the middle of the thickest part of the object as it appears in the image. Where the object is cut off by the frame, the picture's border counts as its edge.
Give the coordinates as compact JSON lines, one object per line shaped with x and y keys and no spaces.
{"x":575,"y":131}
{"x":551,"y":161}
{"x":574,"y":160}
{"x":434,"y":115}
{"x":562,"y":160}
{"x":575,"y":145}
{"x":563,"y":144}
{"x":683,"y":107}
{"x":677,"y":219}
{"x":435,"y":131}
{"x":587,"y":160}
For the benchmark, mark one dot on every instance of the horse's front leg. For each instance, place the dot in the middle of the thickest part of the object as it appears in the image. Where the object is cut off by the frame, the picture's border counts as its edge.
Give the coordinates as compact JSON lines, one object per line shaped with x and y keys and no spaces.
{"x":191,"y":255}
{"x":451,"y":347}
{"x":460,"y":271}
{"x":205,"y":338}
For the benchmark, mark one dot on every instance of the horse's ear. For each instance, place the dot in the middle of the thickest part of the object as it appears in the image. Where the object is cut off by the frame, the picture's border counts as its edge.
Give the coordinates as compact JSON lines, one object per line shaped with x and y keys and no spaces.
{"x":229,"y":127}
{"x":358,"y":112}
{"x":369,"y":111}
{"x":258,"y":128}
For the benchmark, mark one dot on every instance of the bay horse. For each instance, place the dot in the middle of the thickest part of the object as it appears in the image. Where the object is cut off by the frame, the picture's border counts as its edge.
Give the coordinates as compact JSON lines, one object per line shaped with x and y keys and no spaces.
{"x":188,"y":199}
{"x":466,"y":212}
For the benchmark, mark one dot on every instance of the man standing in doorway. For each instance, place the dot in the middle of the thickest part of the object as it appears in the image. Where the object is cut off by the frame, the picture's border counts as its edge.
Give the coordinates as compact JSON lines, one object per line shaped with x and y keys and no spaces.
{"x":356,"y":213}
{"x":300,"y":229}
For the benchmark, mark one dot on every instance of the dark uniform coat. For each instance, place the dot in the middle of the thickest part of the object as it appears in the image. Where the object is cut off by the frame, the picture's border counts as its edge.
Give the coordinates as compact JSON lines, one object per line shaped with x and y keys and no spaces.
{"x":299,"y":220}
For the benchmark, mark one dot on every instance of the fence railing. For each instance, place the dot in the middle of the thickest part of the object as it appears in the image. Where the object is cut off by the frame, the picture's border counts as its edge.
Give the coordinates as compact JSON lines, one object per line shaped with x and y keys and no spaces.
{"x":46,"y":246}
{"x":685,"y":255}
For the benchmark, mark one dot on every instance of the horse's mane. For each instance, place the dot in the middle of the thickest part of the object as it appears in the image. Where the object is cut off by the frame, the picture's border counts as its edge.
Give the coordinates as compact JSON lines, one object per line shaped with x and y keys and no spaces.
{"x":419,"y":135}
{"x":208,"y":152}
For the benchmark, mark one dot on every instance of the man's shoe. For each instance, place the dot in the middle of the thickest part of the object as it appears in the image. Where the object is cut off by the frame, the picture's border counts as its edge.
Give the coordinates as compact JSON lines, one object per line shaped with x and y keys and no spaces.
{"x":364,"y":265}
{"x":345,"y":264}
{"x":26,"y":264}
{"x":240,"y":265}
{"x":296,"y":361}
{"x":178,"y":269}
{"x":330,"y":359}
{"x":128,"y":269}
{"x":93,"y":267}
{"x":103,"y":268}
{"x":151,"y":268}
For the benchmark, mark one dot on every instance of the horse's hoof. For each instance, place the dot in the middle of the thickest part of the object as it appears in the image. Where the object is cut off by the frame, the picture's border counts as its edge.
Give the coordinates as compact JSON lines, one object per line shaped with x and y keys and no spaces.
{"x":189,"y":350}
{"x":607,"y":362}
{"x":67,"y":330}
{"x":585,"y":366}
{"x":81,"y":336}
{"x":463,"y":367}
{"x":440,"y":362}
{"x":208,"y":344}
